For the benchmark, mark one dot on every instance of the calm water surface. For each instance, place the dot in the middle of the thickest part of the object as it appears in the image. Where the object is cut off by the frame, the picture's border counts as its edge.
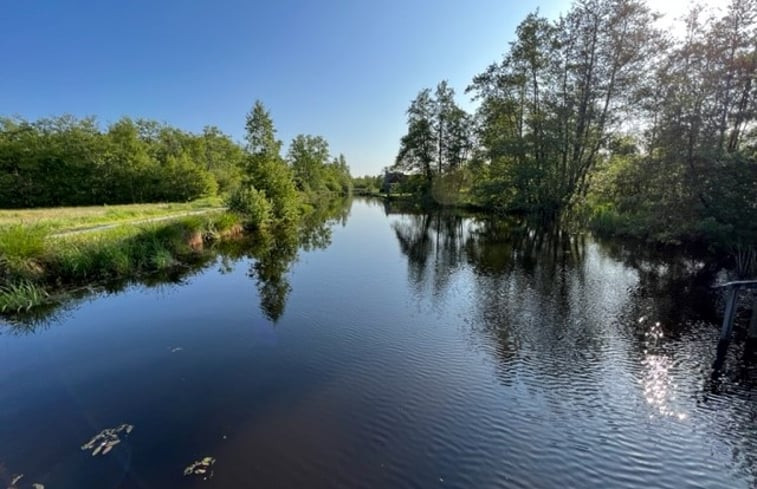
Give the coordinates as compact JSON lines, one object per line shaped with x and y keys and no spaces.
{"x":391,"y":350}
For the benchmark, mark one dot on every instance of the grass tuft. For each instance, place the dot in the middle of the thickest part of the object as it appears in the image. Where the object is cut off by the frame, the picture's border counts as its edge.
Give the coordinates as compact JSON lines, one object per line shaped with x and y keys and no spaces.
{"x":22,"y":242}
{"x":21,"y":297}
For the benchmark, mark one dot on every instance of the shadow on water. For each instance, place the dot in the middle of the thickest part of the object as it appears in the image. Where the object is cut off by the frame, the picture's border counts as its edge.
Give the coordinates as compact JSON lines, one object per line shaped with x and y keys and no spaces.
{"x":272,"y":255}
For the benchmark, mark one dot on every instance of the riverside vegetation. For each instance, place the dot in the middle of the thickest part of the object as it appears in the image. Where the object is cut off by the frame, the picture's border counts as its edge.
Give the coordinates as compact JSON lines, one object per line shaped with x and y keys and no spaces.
{"x":601,"y":119}
{"x":65,"y":161}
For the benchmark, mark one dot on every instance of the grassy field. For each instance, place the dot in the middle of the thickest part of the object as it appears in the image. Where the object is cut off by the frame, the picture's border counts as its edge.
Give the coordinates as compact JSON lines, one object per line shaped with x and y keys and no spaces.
{"x":59,"y":219}
{"x":45,"y":251}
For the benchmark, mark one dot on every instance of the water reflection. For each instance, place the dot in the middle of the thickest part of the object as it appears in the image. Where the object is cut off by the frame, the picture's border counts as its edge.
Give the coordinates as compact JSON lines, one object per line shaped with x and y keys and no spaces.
{"x":448,"y":348}
{"x":272,"y":255}
{"x":275,"y":253}
{"x":564,"y":312}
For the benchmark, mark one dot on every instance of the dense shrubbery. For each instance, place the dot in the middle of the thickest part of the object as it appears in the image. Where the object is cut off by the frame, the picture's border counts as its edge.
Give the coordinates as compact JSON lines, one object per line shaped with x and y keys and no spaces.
{"x":252,"y":204}
{"x":367,"y":185}
{"x":66,"y":161}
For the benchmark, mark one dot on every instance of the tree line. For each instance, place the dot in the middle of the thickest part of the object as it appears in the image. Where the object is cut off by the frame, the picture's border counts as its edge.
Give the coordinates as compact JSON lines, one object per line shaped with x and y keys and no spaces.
{"x":67,"y":161}
{"x":602,"y":117}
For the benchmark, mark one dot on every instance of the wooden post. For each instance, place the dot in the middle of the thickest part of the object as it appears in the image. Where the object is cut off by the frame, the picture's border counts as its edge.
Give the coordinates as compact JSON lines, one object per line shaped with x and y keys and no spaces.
{"x":732,"y":289}
{"x":730,"y":312}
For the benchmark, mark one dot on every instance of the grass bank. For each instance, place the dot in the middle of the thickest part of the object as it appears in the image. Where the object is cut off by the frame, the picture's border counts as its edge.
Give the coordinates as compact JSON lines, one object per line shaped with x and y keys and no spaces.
{"x":58,"y":219}
{"x":37,"y":265}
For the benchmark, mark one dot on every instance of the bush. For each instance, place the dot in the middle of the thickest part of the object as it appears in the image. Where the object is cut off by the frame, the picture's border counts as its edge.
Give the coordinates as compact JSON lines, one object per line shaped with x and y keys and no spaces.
{"x":252,"y":204}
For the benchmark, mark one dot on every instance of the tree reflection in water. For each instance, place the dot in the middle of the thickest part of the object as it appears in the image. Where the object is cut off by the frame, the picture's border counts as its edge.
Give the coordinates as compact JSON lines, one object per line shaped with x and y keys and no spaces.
{"x":272,"y":254}
{"x":553,"y":305}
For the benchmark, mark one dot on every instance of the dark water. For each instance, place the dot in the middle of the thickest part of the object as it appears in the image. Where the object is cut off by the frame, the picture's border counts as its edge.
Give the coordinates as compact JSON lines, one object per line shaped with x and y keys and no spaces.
{"x":389,"y":350}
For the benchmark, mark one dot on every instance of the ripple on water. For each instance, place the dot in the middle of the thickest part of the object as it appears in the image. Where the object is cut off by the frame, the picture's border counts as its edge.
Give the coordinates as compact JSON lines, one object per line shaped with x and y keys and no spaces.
{"x":459,"y":354}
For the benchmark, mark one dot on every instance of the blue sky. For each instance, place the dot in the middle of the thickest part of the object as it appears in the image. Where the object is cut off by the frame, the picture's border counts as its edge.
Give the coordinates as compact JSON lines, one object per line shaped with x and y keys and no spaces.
{"x":345,"y":70}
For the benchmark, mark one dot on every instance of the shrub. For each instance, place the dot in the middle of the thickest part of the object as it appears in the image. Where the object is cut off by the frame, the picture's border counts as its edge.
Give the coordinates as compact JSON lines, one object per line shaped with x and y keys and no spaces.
{"x":252,"y":204}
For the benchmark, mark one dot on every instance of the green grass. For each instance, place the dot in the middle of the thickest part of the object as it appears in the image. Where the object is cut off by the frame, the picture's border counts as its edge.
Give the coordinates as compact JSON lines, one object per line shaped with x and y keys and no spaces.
{"x":72,"y":218}
{"x":22,"y":242}
{"x":31,"y":261}
{"x":20,"y":297}
{"x":129,"y":249}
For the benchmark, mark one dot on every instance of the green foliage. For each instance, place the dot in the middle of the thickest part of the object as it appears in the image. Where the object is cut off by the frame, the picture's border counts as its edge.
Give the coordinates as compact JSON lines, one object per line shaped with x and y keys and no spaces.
{"x":260,"y":132}
{"x":222,"y":157}
{"x":413,"y":184}
{"x":439,"y":136}
{"x":224,"y":222}
{"x":308,"y":157}
{"x":65,"y":161}
{"x":252,"y":204}
{"x":129,"y":250}
{"x":274,"y":177}
{"x":314,"y":171}
{"x":598,"y":117}
{"x":448,"y":189}
{"x":22,"y":242}
{"x":15,"y":298}
{"x":650,"y":199}
{"x":367,"y":185}
{"x":266,"y":171}
{"x":547,"y":109}
{"x":162,"y":259}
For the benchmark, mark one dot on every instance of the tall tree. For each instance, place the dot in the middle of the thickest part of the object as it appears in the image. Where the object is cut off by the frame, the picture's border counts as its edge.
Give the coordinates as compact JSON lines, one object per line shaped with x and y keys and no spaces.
{"x":266,"y":169}
{"x":438,"y":137}
{"x":549,"y":108}
{"x":418,"y":146}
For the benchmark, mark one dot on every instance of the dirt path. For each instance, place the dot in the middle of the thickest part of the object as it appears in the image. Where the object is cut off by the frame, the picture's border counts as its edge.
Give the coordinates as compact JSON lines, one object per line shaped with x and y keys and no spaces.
{"x":103,"y":227}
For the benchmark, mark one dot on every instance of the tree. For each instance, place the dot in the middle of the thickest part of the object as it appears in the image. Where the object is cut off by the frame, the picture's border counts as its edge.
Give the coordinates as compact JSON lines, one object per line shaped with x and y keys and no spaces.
{"x":697,"y":176}
{"x":549,"y":108}
{"x":438,"y":138}
{"x":260,"y":133}
{"x":222,"y":157}
{"x":308,"y":157}
{"x":265,"y":168}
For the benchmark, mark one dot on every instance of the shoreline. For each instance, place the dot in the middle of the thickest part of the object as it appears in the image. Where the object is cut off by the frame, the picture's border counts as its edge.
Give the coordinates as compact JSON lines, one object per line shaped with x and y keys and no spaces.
{"x":43,"y":268}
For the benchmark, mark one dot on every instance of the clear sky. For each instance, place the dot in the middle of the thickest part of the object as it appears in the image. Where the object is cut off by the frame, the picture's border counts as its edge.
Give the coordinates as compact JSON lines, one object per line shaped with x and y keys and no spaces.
{"x":345,"y":70}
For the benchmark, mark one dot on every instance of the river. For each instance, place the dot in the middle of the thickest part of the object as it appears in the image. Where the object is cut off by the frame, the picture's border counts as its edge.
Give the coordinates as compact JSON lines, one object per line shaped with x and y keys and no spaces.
{"x":388,"y":349}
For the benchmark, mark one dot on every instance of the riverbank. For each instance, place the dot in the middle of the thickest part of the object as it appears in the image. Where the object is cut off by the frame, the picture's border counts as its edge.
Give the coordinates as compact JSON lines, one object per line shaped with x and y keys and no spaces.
{"x":39,"y":261}
{"x":718,"y":242}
